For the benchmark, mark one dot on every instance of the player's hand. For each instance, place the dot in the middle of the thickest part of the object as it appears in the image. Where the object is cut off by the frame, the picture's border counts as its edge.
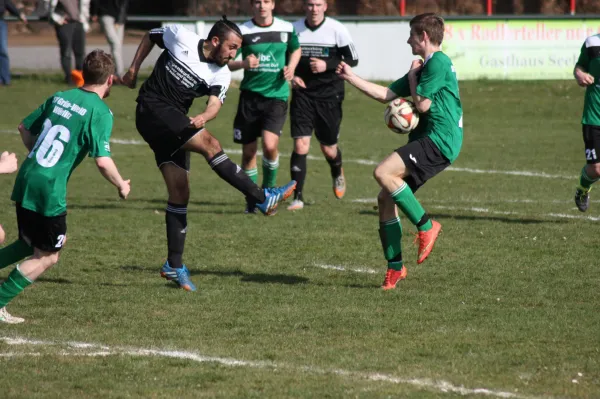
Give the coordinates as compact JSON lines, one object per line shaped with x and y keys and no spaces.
{"x":288,"y":73}
{"x":125,"y":188}
{"x":130,"y":79}
{"x":251,"y":62}
{"x":298,"y":83}
{"x":23,"y":18}
{"x":317,"y":65}
{"x":344,"y":71}
{"x":2,"y":235}
{"x":583,"y":78}
{"x":197,"y":121}
{"x":8,"y":162}
{"x":416,"y":65}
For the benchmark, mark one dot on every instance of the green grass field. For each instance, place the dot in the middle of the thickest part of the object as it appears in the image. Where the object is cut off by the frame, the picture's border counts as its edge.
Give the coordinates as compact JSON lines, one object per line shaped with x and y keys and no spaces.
{"x":507,"y":305}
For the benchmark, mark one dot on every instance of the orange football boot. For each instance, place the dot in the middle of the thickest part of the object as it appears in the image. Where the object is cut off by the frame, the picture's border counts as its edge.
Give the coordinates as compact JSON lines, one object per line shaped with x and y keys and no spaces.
{"x":339,"y":186}
{"x":426,"y":240}
{"x":77,"y":77}
{"x":392,"y":277}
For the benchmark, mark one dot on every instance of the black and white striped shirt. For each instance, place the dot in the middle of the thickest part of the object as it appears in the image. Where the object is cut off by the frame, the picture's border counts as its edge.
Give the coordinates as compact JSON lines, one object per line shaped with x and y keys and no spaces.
{"x":331,"y":42}
{"x":182,"y":73}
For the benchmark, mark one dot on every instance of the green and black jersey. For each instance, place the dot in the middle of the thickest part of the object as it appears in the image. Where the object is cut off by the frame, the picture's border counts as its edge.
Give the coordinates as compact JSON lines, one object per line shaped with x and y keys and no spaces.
{"x":443,"y":123}
{"x":271,"y":45}
{"x":589,"y":60}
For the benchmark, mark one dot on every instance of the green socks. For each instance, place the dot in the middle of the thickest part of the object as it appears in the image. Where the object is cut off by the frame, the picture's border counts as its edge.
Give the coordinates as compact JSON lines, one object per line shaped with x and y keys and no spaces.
{"x":14,"y":284}
{"x":252,"y":174}
{"x":410,"y":206}
{"x":14,"y":252}
{"x":390,"y":233}
{"x":270,"y":169}
{"x":585,"y":181}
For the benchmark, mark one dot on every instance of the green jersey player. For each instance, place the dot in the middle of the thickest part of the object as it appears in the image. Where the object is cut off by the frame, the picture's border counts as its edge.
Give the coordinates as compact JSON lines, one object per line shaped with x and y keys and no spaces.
{"x":587,"y":73}
{"x":432,"y":146}
{"x":59,"y":134}
{"x":270,"y":53}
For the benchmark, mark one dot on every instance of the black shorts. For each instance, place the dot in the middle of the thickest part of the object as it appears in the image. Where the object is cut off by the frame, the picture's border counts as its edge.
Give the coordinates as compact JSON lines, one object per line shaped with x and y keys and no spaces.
{"x":47,"y":233}
{"x":256,"y":113}
{"x":423,"y":160}
{"x":591,"y":139}
{"x":322,"y":116}
{"x":166,"y":130}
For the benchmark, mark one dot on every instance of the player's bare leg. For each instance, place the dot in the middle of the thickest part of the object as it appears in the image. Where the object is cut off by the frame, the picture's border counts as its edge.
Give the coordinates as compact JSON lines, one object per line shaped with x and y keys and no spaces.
{"x":389,"y":174}
{"x":390,"y":233}
{"x":21,"y":277}
{"x":298,"y":169}
{"x":178,"y":188}
{"x":333,"y":156}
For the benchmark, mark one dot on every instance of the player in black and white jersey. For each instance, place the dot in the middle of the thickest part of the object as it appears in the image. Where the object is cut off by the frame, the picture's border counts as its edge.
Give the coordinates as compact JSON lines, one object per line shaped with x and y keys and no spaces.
{"x":318,"y":94}
{"x":189,"y":67}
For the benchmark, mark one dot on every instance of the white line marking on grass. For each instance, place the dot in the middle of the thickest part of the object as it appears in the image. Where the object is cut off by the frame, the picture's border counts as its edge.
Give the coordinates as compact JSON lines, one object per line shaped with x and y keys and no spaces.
{"x":370,"y":162}
{"x":88,"y":349}
{"x":345,"y":269}
{"x":491,"y":211}
{"x":478,"y":201}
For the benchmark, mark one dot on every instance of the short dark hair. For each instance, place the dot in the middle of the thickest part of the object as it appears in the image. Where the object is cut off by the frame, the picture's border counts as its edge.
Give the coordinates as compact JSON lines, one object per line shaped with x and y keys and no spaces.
{"x":431,"y":23}
{"x":222,"y":28}
{"x":97,"y":67}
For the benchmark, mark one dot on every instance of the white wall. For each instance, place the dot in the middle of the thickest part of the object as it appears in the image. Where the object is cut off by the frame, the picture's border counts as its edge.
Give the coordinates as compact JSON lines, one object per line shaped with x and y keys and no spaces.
{"x":382,"y":49}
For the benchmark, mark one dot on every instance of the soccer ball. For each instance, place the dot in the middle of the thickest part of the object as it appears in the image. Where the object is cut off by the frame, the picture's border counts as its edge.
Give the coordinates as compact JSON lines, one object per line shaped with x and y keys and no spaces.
{"x":401,"y":116}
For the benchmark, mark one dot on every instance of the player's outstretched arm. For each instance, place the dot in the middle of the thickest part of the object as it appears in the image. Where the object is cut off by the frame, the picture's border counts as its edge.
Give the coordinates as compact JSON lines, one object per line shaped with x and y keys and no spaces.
{"x":373,"y":90}
{"x":8,"y":162}
{"x":145,"y":47}
{"x":109,"y":170}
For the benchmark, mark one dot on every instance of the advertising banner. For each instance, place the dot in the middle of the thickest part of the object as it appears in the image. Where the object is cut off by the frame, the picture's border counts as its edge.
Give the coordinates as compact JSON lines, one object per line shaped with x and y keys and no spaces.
{"x":516,"y":49}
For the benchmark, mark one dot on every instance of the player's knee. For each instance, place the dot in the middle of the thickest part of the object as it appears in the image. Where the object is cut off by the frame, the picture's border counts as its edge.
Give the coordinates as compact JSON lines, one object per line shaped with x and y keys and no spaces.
{"x":49,"y":259}
{"x":330,"y":152}
{"x":212,"y":144}
{"x":379,"y":174}
{"x":596,"y":170}
{"x":270,"y":152}
{"x":301,"y":146}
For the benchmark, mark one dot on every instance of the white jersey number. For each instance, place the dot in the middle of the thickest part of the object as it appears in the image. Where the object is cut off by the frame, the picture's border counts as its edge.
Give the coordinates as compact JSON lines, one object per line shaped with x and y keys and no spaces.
{"x":51,"y":144}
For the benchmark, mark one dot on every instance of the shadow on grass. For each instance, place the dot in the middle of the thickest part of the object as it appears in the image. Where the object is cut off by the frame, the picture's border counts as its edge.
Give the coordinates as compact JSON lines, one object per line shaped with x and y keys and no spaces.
{"x":261,"y":278}
{"x":221,"y":208}
{"x":54,"y":280}
{"x":515,"y":219}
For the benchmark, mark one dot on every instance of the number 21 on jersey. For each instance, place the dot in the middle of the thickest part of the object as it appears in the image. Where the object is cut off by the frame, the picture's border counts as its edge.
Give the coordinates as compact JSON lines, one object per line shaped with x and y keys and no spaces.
{"x":50,"y":145}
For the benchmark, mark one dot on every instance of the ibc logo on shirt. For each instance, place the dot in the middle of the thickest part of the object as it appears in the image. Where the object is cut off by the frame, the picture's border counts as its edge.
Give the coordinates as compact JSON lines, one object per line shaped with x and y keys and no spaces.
{"x":264,"y":58}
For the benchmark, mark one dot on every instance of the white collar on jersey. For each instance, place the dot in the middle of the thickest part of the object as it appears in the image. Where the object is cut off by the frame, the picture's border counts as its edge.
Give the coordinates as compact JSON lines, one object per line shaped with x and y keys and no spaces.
{"x":428,"y":58}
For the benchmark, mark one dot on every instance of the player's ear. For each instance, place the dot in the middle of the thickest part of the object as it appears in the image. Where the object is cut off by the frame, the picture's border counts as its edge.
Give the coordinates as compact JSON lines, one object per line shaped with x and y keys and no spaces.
{"x":110,"y":80}
{"x":215,"y":41}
